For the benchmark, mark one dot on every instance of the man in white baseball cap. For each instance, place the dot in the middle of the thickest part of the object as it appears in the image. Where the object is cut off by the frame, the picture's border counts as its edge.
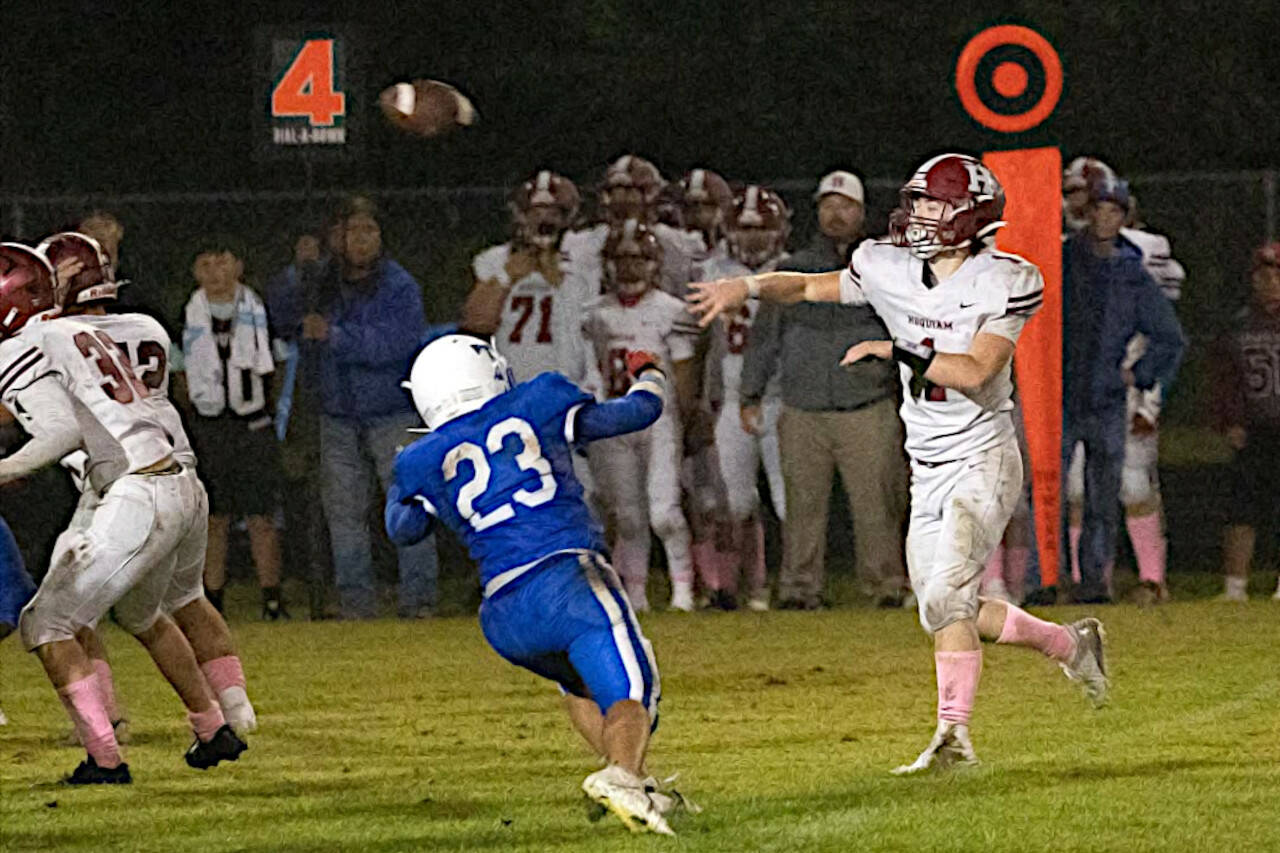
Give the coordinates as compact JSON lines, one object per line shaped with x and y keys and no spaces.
{"x":841,"y":212}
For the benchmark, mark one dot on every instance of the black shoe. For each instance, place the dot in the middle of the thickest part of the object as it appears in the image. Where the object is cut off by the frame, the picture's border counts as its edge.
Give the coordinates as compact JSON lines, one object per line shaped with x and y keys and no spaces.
{"x":723,"y":600}
{"x":1045,"y":596}
{"x":215,"y":598}
{"x":889,"y":602}
{"x":89,"y":773}
{"x":792,"y":604}
{"x":273,"y":608}
{"x":1084,"y":595}
{"x":223,"y":746}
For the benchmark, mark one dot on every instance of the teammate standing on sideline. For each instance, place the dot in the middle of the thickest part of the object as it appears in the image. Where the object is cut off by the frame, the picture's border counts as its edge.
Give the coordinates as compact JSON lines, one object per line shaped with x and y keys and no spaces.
{"x":955,"y":307}
{"x":495,"y":468}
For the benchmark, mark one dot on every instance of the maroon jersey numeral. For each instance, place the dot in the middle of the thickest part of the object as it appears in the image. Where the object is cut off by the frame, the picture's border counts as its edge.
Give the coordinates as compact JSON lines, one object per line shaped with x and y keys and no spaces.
{"x":739,"y":330}
{"x":524,"y":305}
{"x":151,"y":361}
{"x":619,"y":379}
{"x":112,"y":362}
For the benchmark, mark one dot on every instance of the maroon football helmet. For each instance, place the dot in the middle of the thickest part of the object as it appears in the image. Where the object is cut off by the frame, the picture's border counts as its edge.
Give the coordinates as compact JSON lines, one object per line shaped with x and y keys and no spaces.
{"x":95,"y":283}
{"x":26,"y":287}
{"x":630,"y":189}
{"x":974,"y":206}
{"x":543,"y":208}
{"x":706,"y":199}
{"x":757,"y":226}
{"x":632,"y":260}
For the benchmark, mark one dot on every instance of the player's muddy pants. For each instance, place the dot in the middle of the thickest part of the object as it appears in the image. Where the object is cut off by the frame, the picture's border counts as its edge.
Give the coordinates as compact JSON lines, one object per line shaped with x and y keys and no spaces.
{"x":1102,"y":436}
{"x":866,"y":446}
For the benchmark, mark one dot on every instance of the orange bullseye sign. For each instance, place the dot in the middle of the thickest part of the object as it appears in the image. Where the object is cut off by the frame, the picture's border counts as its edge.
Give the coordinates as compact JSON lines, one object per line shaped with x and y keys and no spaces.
{"x":1009,"y":78}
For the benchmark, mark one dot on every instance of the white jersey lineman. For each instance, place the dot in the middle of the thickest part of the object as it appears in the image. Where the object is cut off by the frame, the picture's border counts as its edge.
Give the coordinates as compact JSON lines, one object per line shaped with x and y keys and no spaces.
{"x":965,"y":466}
{"x":147,"y":345}
{"x":639,"y":474}
{"x":741,"y":453}
{"x":149,"y":503}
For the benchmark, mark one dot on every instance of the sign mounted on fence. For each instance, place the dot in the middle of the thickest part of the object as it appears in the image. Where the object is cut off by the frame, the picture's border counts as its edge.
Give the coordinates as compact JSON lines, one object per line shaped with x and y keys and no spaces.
{"x":307,"y":98}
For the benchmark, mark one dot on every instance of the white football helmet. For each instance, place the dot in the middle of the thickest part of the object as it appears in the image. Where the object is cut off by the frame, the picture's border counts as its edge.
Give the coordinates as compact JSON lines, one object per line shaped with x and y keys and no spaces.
{"x":454,"y":375}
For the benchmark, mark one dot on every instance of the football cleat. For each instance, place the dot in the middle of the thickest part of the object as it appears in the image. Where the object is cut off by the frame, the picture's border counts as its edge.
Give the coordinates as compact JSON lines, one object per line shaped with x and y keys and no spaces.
{"x":758,"y":603}
{"x":223,"y":746}
{"x":949,"y":748}
{"x":4,"y":721}
{"x":682,"y":596}
{"x":89,"y":773}
{"x":1089,"y":665}
{"x":624,"y":794}
{"x":667,"y":799}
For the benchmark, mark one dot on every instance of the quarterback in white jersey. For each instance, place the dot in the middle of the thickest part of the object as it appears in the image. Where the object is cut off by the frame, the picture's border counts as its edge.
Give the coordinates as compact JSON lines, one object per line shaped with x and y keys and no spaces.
{"x":955,"y":308}
{"x":72,"y":388}
{"x":639,"y":474}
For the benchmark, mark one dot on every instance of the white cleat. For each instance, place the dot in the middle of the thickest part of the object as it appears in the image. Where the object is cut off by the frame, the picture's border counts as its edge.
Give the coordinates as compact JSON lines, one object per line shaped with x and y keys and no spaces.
{"x":624,"y":794}
{"x":682,"y":596}
{"x":1089,"y":664}
{"x":667,"y":799}
{"x":949,"y":748}
{"x":1275,"y":596}
{"x":4,"y":721}
{"x":758,"y":603}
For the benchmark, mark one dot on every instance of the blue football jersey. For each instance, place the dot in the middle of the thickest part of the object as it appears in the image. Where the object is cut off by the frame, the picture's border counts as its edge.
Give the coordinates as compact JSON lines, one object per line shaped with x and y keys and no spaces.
{"x":502,"y":479}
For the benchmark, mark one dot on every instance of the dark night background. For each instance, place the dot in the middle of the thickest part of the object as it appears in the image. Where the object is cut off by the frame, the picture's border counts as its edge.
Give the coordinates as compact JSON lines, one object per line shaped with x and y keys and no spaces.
{"x":129,"y":108}
{"x":160,"y":96}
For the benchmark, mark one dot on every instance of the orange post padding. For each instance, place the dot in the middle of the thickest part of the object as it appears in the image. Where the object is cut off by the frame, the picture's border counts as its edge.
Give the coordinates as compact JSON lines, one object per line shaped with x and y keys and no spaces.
{"x":1032,"y":180}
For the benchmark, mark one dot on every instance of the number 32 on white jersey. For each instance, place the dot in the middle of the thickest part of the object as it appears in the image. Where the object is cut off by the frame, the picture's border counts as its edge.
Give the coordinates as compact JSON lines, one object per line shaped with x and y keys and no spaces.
{"x":530,"y":458}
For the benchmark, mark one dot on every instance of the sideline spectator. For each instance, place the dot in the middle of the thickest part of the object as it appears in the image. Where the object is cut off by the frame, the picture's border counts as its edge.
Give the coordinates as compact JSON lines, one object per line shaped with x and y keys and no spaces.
{"x":1107,"y":298}
{"x":290,"y":294}
{"x":832,"y":417}
{"x":1248,"y":413}
{"x":369,"y":320}
{"x":227,"y":362}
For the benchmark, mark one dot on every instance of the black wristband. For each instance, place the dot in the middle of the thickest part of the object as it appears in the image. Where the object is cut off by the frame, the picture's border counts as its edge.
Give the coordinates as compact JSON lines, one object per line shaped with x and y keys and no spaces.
{"x":915,"y":355}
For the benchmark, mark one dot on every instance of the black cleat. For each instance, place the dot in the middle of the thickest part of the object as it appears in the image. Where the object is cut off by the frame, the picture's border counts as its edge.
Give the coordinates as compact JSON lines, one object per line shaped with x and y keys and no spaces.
{"x":223,"y":746}
{"x":89,"y":773}
{"x":273,"y":608}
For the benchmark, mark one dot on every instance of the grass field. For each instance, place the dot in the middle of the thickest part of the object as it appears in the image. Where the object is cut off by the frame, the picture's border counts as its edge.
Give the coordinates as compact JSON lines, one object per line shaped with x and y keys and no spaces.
{"x":394,"y":736}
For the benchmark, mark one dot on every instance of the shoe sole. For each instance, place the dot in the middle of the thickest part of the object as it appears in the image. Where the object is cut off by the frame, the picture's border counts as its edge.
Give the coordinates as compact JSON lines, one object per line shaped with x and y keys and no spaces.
{"x":635,"y":823}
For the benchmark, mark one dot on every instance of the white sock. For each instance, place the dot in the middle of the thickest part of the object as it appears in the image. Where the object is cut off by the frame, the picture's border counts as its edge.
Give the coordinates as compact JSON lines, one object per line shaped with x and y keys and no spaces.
{"x":1236,"y":586}
{"x":238,"y":710}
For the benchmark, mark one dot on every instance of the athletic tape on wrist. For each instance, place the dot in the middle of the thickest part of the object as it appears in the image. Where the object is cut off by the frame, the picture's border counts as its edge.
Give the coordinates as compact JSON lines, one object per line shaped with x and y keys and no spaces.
{"x":915,"y":355}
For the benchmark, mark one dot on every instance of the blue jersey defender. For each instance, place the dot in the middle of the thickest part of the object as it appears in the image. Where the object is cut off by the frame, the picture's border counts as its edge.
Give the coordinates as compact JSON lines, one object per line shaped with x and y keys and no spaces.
{"x":500,"y":476}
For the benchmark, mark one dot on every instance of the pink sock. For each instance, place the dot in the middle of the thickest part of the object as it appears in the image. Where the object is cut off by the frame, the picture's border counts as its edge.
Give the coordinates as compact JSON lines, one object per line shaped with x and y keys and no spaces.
{"x":1146,"y":532}
{"x":1023,"y":629}
{"x":958,"y":674}
{"x":107,"y":687}
{"x":1016,"y":560}
{"x":705,"y":564}
{"x":729,"y":561}
{"x":207,"y":723}
{"x":1073,"y":534}
{"x":994,"y":569}
{"x":751,"y":541}
{"x":83,"y":701}
{"x":223,"y":672}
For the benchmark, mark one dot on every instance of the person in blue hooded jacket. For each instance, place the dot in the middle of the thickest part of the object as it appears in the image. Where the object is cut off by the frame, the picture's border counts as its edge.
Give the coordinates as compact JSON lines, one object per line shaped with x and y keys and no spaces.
{"x":1108,"y":297}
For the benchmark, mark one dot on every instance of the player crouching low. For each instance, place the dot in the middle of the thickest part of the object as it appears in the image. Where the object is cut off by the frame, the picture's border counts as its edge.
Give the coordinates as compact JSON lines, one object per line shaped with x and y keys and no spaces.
{"x":496,"y":468}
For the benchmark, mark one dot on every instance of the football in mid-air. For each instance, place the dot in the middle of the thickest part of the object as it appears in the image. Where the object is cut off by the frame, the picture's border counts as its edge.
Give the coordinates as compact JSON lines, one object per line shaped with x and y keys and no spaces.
{"x":426,"y":107}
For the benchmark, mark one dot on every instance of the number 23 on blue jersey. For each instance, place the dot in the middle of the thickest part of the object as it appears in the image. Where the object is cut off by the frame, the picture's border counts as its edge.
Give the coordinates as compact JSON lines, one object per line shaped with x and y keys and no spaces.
{"x":529,"y":458}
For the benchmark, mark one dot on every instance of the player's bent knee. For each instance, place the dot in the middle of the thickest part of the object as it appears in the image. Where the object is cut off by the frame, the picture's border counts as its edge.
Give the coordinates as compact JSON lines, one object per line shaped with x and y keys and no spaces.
{"x":669,"y":524}
{"x":38,"y":626}
{"x":942,"y":604}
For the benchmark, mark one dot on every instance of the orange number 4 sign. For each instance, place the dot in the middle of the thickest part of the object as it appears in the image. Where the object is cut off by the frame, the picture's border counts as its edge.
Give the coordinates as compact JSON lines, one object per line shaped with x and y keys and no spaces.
{"x":306,"y":89}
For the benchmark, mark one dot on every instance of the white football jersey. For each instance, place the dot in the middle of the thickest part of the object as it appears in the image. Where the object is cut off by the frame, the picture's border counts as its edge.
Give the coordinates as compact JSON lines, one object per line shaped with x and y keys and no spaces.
{"x":147,"y":344}
{"x":993,"y":292}
{"x":1158,"y":261}
{"x":731,"y":333}
{"x":120,"y":422}
{"x":540,"y":329}
{"x":658,"y":323}
{"x":679,"y":249}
